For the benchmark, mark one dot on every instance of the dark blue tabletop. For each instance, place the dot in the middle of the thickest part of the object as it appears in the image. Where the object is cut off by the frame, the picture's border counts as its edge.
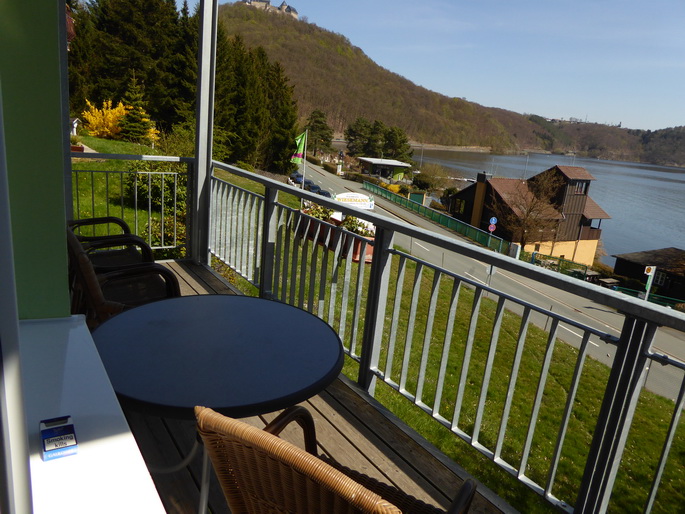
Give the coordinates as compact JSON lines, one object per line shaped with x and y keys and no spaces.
{"x":239,"y":355}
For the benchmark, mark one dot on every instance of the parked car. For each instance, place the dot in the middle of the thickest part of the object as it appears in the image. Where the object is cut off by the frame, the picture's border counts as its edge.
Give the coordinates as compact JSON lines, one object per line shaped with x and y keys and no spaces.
{"x":296,"y":177}
{"x":313,"y":188}
{"x":308,"y":183}
{"x":325,"y":193}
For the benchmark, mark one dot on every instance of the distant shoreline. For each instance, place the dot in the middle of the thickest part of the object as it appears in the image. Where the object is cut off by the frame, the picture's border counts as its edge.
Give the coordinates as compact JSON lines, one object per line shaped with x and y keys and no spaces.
{"x":430,"y":146}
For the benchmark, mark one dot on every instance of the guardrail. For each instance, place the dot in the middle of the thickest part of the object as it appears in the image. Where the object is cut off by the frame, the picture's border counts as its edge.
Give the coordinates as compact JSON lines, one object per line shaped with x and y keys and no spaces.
{"x":529,"y":388}
{"x":146,"y":191}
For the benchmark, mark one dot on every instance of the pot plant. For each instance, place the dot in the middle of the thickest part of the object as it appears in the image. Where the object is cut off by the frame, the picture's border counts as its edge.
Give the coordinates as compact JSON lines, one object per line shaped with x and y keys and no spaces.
{"x":357,"y":226}
{"x":320,"y":213}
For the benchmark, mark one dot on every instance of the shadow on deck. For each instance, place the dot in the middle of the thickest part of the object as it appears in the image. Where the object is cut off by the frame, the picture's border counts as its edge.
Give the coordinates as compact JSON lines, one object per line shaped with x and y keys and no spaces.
{"x":351,"y":427}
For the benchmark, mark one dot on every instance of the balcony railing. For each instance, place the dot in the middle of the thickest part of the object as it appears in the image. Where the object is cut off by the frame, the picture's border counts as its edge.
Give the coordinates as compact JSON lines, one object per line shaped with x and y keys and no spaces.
{"x":551,"y":398}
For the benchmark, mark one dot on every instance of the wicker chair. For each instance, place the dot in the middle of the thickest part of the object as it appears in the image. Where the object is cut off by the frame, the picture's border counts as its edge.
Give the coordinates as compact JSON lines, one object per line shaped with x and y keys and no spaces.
{"x":260,"y":473}
{"x":118,"y":248}
{"x":100,"y":295}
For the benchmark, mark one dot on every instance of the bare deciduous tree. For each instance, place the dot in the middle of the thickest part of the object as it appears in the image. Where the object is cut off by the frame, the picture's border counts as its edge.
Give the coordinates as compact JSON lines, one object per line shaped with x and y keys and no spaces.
{"x":526,"y":209}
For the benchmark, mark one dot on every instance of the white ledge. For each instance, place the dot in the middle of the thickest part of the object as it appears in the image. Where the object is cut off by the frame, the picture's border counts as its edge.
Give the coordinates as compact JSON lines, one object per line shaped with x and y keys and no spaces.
{"x":63,"y":376}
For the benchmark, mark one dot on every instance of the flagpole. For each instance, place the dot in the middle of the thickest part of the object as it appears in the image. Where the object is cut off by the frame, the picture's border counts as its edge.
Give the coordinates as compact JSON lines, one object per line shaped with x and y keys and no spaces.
{"x":304,"y":165}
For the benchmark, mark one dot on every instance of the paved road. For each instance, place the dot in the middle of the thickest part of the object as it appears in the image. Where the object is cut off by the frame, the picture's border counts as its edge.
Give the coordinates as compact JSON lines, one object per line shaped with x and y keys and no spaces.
{"x":664,"y":380}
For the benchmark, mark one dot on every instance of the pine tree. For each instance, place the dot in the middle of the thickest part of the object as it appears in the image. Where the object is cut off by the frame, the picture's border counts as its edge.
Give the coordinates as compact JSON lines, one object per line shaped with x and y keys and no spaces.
{"x":320,"y":133}
{"x":396,"y":145}
{"x":136,"y":125}
{"x":357,"y":135}
{"x":135,"y":37}
{"x":282,"y":122}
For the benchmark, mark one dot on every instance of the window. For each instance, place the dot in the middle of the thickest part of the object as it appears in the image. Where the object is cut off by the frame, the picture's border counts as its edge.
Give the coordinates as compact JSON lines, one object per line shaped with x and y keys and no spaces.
{"x":660,"y":278}
{"x":581,"y":187}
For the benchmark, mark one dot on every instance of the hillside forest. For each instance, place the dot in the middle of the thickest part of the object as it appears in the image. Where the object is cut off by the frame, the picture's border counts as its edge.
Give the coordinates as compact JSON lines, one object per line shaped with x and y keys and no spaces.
{"x":274,"y":71}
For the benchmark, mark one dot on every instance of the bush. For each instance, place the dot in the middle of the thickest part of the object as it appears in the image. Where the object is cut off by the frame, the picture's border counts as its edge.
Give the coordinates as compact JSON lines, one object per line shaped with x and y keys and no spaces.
{"x":313,"y":160}
{"x":330,"y":168}
{"x":147,"y":186}
{"x":245,"y":166}
{"x":437,"y":206}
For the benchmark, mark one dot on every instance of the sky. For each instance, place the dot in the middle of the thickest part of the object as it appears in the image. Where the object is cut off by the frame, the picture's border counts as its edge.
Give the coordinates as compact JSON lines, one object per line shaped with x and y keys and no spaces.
{"x":604,"y":61}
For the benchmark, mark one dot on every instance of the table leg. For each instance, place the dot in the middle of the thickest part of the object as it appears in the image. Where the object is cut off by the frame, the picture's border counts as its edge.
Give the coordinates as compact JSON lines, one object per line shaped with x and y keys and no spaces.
{"x":177,"y":467}
{"x":204,"y":488}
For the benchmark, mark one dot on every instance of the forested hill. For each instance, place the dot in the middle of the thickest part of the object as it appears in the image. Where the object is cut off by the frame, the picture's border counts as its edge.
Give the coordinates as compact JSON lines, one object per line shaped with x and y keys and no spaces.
{"x":332,"y":75}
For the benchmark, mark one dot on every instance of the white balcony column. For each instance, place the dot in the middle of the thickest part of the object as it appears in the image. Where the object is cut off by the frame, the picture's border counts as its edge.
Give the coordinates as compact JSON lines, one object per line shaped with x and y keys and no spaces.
{"x":199,"y":181}
{"x":375,"y":307}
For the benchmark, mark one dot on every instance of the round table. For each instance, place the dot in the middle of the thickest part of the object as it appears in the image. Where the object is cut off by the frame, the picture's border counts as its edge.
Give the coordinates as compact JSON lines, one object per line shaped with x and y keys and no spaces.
{"x":238,"y":355}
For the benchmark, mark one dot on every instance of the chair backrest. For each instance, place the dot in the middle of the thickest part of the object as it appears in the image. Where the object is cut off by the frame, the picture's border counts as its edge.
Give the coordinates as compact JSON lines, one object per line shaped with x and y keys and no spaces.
{"x":259,"y":472}
{"x":87,"y":296}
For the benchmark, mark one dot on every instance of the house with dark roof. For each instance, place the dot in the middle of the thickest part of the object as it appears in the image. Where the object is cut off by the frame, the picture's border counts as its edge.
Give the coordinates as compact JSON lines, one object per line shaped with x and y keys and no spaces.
{"x":571,"y":228}
{"x":669,"y":278}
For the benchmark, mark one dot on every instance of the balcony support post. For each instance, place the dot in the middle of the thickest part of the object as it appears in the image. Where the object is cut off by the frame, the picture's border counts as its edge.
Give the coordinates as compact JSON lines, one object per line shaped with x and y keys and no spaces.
{"x":626,"y":380}
{"x":375,"y":308}
{"x":269,"y":231}
{"x":199,"y":183}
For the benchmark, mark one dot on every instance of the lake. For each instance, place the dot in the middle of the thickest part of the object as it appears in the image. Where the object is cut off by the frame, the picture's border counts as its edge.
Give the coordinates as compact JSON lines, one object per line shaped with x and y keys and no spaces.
{"x":646,"y":202}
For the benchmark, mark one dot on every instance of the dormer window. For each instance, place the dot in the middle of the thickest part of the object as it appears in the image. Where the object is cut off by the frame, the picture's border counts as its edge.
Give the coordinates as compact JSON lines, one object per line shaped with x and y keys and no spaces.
{"x":580,"y":187}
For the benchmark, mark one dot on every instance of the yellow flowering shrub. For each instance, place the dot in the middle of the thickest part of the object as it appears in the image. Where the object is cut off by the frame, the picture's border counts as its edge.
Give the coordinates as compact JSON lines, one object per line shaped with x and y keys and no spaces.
{"x":104,"y":122}
{"x":394,"y":188}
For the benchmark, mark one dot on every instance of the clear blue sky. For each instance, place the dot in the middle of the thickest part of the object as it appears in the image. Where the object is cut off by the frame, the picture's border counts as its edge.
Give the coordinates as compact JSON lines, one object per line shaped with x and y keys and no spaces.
{"x":607,"y":61}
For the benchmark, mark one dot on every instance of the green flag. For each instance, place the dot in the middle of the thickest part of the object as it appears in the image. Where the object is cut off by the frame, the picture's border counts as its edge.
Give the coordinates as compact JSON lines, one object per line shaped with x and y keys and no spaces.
{"x":298,"y":156}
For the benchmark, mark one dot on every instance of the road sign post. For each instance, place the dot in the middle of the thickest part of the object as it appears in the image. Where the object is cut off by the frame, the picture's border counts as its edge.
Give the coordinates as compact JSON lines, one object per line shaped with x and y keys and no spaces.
{"x":650,"y":271}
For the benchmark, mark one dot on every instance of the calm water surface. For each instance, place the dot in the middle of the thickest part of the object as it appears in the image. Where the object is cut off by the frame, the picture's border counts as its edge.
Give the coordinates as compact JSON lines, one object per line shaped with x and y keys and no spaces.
{"x":646,"y":202}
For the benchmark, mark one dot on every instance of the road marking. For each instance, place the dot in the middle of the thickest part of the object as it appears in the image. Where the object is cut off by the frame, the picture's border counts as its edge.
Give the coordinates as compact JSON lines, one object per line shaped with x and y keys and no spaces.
{"x":578,"y":335}
{"x":419,"y":244}
{"x":474,"y":277}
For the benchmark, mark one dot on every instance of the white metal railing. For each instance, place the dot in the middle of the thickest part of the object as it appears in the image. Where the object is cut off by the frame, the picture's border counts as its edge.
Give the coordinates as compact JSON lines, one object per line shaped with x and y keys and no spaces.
{"x":463,"y":352}
{"x":527,"y":387}
{"x":148,"y":194}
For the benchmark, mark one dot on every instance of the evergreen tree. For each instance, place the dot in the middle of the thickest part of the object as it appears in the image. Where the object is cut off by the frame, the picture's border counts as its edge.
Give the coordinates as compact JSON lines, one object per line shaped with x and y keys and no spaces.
{"x":135,"y":37}
{"x":357,"y":135}
{"x":282,"y":124}
{"x":245,"y":112}
{"x":83,"y":60}
{"x":376,"y":142}
{"x":183,"y":80}
{"x":136,"y":125}
{"x":320,"y":133}
{"x":397,"y":145}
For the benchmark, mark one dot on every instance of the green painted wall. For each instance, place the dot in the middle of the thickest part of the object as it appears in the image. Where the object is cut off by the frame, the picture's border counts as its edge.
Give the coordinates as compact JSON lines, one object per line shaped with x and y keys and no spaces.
{"x":30,"y":75}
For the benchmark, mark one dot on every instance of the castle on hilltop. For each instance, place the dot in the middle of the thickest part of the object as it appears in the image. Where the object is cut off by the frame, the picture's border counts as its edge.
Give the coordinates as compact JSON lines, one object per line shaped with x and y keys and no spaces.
{"x":265,"y":5}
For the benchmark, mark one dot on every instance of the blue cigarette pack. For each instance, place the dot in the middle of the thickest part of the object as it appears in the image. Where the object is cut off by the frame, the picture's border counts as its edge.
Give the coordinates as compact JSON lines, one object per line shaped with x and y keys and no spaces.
{"x":58,"y":437}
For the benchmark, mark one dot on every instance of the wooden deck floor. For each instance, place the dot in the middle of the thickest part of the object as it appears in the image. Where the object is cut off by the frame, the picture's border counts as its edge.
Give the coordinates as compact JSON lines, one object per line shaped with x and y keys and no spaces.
{"x":351,"y":427}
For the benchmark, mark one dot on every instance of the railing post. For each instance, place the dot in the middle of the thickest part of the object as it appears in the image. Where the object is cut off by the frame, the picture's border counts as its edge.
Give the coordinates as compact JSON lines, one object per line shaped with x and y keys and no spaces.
{"x":269,"y":232}
{"x":626,"y":379}
{"x":375,"y":307}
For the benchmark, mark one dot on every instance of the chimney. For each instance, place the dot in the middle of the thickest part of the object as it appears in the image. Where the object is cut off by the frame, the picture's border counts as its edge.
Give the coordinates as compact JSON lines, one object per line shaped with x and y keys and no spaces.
{"x":479,"y":198}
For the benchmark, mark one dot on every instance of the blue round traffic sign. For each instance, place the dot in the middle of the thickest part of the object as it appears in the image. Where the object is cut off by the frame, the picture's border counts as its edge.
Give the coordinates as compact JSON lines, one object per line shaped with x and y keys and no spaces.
{"x":493,"y":220}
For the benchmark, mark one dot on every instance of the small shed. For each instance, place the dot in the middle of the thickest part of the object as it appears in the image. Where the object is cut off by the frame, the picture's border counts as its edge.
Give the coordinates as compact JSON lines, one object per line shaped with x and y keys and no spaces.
{"x":385,"y":168}
{"x":670,"y":269}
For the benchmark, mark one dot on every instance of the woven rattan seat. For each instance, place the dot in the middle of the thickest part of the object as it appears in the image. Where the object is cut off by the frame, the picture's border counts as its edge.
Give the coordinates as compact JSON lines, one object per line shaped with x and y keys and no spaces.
{"x":261,"y":473}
